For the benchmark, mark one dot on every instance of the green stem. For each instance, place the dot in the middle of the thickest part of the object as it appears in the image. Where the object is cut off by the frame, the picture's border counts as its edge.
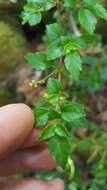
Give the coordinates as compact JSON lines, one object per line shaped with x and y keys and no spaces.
{"x":45,"y":78}
{"x":35,"y":83}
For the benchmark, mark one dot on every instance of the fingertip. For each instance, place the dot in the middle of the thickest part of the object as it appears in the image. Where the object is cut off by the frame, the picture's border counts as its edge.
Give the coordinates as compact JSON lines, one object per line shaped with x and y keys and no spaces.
{"x":21,"y":108}
{"x":16,"y":123}
{"x":26,"y":110}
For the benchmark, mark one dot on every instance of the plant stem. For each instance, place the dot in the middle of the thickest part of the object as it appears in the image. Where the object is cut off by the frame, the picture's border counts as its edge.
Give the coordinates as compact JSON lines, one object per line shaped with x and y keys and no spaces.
{"x":34,"y":83}
{"x":73,"y":26}
{"x":60,"y":63}
{"x":54,"y":72}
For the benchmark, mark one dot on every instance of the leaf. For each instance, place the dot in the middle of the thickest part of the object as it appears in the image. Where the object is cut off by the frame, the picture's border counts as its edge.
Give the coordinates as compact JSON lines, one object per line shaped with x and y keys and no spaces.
{"x":53,"y":114}
{"x":46,"y":4}
{"x":100,"y":11}
{"x":61,"y":131}
{"x":38,"y":61}
{"x":53,"y":32}
{"x":48,"y":132}
{"x":54,"y":98}
{"x":54,"y":52}
{"x":70,"y":3}
{"x":72,"y":43}
{"x":90,"y":2}
{"x":87,"y":20}
{"x":73,"y":64}
{"x":31,"y":14}
{"x":53,"y":85}
{"x":72,"y":112}
{"x":60,"y":150}
{"x":41,"y":115}
{"x":70,"y":46}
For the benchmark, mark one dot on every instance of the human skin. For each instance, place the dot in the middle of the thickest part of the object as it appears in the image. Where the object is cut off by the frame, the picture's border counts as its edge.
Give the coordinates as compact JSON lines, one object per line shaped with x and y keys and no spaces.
{"x":20,"y":150}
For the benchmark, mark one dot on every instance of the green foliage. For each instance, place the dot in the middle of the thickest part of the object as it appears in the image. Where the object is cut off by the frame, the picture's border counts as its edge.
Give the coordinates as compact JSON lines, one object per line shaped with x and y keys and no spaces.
{"x":38,"y":61}
{"x":73,"y":65}
{"x":53,"y":85}
{"x":57,"y":115}
{"x":72,"y":112}
{"x":87,"y":20}
{"x":60,"y":149}
{"x":41,"y":116}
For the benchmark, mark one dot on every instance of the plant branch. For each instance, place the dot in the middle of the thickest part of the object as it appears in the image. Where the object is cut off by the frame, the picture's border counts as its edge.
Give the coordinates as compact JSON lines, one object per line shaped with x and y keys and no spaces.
{"x":73,"y":26}
{"x":35,"y":83}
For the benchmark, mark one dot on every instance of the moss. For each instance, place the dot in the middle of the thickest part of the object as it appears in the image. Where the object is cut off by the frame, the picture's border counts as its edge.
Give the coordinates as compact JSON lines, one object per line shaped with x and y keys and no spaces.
{"x":12,"y":47}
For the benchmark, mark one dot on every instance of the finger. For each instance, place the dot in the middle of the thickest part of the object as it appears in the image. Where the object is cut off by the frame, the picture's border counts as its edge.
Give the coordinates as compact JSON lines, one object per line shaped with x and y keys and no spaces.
{"x":32,"y":139}
{"x":16,"y":122}
{"x":32,"y":184}
{"x":27,"y":160}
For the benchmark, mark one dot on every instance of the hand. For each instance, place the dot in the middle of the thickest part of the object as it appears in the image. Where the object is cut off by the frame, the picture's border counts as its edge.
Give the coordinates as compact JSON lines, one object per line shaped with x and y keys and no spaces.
{"x":20,"y":150}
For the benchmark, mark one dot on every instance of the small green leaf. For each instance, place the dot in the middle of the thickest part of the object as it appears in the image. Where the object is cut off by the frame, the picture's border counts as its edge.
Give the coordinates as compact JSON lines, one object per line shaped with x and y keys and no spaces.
{"x":72,"y":43}
{"x":72,"y":112}
{"x":38,"y":61}
{"x":61,"y":131}
{"x":100,"y":11}
{"x":41,"y":115}
{"x":54,"y":98}
{"x":70,"y":46}
{"x":54,"y":52}
{"x":53,"y":85}
{"x":45,"y":4}
{"x":73,"y":65}
{"x":31,"y":14}
{"x":48,"y":132}
{"x":87,"y":20}
{"x":53,"y":114}
{"x":53,"y":32}
{"x":60,"y":150}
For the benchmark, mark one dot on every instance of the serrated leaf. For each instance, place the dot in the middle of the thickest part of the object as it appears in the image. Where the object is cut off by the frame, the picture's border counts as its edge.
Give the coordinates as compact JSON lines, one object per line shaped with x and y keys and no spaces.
{"x":70,"y":46}
{"x":73,"y":64}
{"x":31,"y":14}
{"x":61,"y":131}
{"x":60,"y":150}
{"x":38,"y":61}
{"x":48,"y":132}
{"x":53,"y":114}
{"x":53,"y":85}
{"x":72,"y":112}
{"x":54,"y":52}
{"x":53,"y":32}
{"x":46,"y":4}
{"x":87,"y":20}
{"x":54,"y":98}
{"x":41,"y":115}
{"x":72,"y":43}
{"x":100,"y":11}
